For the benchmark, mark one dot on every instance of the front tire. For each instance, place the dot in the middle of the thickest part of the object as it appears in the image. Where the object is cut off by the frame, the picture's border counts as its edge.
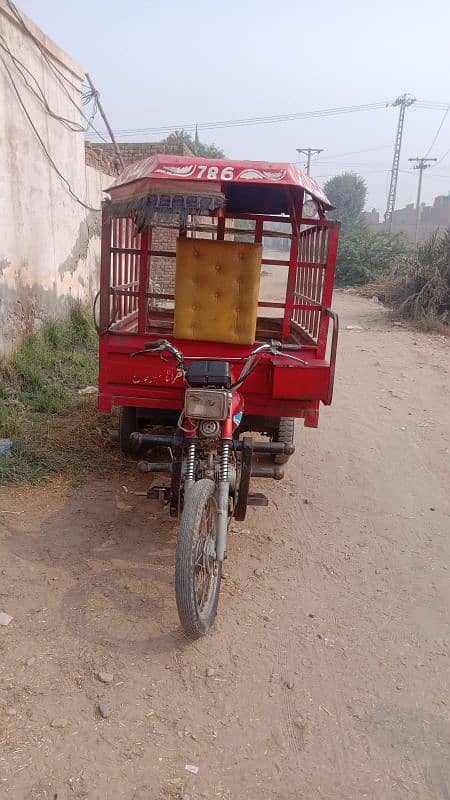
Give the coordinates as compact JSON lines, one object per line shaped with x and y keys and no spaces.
{"x":197,"y":572}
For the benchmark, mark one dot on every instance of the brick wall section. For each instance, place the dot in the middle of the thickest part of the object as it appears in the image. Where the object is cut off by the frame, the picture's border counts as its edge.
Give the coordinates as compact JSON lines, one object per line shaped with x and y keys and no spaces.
{"x":102,"y":152}
{"x":163,"y":267}
{"x":100,"y":160}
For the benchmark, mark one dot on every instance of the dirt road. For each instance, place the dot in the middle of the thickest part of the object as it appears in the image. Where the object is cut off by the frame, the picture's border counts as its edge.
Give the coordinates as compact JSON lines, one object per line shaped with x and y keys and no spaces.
{"x":327,"y":674}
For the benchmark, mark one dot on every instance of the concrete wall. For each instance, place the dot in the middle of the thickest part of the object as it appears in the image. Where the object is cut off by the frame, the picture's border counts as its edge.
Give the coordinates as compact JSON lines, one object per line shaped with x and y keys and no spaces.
{"x":49,"y":243}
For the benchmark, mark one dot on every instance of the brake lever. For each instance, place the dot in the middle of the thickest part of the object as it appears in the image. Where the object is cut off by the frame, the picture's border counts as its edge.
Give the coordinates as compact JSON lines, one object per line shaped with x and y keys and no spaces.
{"x":294,"y":358}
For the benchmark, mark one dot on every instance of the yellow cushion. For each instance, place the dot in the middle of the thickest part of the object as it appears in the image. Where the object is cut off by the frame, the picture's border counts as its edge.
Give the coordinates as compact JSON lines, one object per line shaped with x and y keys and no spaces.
{"x":217,"y":290}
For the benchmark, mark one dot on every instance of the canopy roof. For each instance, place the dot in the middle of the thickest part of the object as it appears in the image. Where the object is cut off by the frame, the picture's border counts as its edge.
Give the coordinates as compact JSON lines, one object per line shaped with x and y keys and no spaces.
{"x":216,"y":173}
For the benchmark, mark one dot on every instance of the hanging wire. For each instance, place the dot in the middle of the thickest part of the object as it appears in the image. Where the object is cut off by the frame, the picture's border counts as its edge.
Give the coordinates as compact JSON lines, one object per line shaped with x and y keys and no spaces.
{"x":42,"y":143}
{"x":438,"y":131}
{"x":62,"y":79}
{"x":37,"y":90}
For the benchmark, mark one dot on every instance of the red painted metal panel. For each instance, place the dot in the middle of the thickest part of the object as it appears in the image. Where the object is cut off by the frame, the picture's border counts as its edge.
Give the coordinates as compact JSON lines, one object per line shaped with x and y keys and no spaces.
{"x":305,"y":383}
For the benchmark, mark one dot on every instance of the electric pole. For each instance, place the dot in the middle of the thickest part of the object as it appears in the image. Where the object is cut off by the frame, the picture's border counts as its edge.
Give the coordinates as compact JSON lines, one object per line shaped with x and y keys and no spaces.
{"x":308,"y":151}
{"x":402,"y":102}
{"x":96,"y":94}
{"x":421,"y":164}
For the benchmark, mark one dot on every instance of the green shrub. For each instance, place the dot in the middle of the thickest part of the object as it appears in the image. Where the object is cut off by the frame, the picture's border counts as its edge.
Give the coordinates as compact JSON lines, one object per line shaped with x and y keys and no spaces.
{"x":49,"y":364}
{"x":365,"y":255}
{"x":54,"y":430}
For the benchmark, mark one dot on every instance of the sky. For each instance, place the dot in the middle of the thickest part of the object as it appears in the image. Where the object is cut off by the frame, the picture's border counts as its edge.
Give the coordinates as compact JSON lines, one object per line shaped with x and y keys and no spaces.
{"x":160,"y":63}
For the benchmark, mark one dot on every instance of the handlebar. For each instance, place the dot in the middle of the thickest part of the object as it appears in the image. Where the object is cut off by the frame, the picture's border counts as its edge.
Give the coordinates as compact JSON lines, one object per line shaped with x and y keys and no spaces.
{"x":273,"y":346}
{"x":161,"y":346}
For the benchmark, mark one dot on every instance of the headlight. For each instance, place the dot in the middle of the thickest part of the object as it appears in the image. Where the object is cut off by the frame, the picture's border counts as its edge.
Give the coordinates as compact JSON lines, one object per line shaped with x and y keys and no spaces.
{"x":209,"y":428}
{"x":206,"y":404}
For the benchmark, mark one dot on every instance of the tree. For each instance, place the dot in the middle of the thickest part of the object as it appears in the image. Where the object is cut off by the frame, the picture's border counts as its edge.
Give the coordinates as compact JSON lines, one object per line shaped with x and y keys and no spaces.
{"x":197,"y":147}
{"x":348,"y":193}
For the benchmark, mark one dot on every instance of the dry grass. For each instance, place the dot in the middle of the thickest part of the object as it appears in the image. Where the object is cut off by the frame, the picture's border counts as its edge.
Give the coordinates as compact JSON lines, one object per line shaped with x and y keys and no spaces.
{"x":417,"y":288}
{"x":78,"y":443}
{"x":54,"y":430}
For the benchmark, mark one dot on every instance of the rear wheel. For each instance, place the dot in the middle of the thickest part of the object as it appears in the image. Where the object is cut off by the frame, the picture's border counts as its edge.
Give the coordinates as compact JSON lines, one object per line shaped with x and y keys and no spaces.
{"x":127,"y":425}
{"x":197,"y":572}
{"x":284,"y":434}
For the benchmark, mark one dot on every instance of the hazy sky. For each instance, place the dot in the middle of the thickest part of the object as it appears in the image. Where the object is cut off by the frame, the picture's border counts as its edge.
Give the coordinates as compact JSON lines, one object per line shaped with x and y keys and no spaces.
{"x":158,"y":63}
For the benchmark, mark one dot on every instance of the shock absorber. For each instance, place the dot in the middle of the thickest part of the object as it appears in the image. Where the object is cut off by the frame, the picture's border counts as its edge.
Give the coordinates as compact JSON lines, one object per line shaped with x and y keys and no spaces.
{"x":190,"y":462}
{"x":224,"y":460}
{"x":190,"y":468}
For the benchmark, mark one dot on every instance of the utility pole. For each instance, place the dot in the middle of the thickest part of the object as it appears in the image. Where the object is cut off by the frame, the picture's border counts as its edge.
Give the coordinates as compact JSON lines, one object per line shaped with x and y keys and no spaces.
{"x":105,"y":120}
{"x":421,"y":164}
{"x":308,"y":151}
{"x":402,"y":102}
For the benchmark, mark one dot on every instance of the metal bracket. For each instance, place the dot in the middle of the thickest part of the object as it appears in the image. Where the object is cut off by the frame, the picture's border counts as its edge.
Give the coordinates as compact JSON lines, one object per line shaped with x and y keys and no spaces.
{"x":159,"y":493}
{"x":177,"y":465}
{"x":240,"y":509}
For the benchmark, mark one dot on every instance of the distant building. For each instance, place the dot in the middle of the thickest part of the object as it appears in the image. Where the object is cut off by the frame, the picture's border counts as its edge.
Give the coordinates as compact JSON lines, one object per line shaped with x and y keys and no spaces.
{"x":436,"y":216}
{"x":370,"y":218}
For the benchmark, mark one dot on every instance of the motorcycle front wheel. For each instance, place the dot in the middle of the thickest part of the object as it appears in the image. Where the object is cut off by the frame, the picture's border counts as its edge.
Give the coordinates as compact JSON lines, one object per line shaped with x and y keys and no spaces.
{"x":197,"y":572}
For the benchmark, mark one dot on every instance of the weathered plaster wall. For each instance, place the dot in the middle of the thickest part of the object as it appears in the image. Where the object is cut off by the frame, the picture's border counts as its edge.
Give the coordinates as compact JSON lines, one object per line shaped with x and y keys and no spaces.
{"x":49,"y":243}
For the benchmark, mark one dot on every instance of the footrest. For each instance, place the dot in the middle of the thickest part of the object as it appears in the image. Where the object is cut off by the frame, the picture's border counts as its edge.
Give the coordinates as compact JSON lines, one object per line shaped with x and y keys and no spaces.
{"x":159,"y":493}
{"x":257,"y":499}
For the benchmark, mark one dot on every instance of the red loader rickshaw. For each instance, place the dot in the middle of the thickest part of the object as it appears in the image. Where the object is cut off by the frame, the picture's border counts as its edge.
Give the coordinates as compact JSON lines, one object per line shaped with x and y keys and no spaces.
{"x":195,"y":358}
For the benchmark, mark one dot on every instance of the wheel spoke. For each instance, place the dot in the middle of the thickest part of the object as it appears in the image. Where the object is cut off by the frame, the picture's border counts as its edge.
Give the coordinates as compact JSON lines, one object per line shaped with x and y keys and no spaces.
{"x":204,"y":572}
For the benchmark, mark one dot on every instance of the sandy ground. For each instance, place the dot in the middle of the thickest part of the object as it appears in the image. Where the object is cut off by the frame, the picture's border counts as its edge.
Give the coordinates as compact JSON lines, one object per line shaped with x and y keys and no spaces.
{"x":327,"y":674}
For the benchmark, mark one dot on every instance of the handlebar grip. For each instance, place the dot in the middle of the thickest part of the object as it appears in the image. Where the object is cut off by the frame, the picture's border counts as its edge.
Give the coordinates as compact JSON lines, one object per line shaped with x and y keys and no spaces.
{"x":294,"y":347}
{"x":160,"y":343}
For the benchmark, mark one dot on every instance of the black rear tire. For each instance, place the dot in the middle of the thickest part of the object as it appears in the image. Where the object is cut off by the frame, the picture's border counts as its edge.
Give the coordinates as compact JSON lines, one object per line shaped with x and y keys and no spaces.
{"x":199,"y":517}
{"x":285,"y":434}
{"x":127,"y":425}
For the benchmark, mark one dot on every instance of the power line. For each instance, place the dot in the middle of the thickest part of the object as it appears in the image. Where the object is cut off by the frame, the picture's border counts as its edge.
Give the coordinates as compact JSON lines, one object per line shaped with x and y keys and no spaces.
{"x":432,"y":105}
{"x":36,"y":41}
{"x":72,"y":125}
{"x":276,"y":118}
{"x":166,"y":129}
{"x":443,"y":158}
{"x":58,"y":74}
{"x":42,"y":143}
{"x":354,"y":152}
{"x":438,"y":130}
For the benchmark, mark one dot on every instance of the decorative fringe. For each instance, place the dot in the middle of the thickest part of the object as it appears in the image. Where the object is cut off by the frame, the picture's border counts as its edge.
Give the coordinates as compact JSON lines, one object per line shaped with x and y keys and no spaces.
{"x":165,"y":209}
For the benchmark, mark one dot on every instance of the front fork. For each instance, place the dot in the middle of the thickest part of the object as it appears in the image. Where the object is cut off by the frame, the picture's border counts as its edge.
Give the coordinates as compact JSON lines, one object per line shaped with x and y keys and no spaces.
{"x":223,"y":485}
{"x":223,"y":492}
